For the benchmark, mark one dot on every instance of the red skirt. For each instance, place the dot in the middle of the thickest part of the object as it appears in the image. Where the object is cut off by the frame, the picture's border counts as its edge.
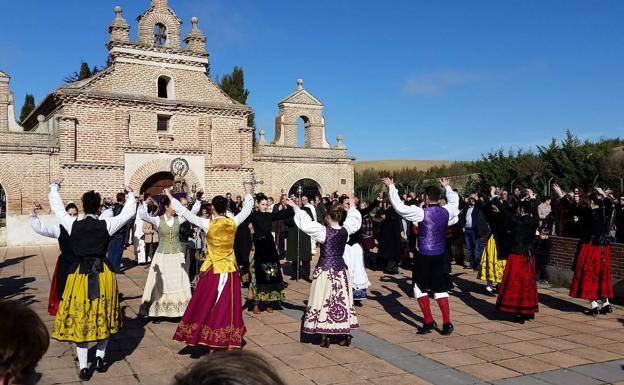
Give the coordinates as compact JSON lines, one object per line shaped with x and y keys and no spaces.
{"x":213,"y":322}
{"x":518,"y":289}
{"x":592,"y":273}
{"x":53,"y":300}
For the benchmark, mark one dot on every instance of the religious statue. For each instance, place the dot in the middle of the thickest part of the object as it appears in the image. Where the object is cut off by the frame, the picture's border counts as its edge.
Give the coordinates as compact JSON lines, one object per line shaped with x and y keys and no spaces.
{"x":179,"y":169}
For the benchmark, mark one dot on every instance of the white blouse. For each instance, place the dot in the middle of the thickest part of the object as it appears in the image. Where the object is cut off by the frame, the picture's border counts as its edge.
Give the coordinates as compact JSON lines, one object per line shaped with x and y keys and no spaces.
{"x":317,"y":231}
{"x":204,"y":223}
{"x":417,"y":214}
{"x":155,"y":220}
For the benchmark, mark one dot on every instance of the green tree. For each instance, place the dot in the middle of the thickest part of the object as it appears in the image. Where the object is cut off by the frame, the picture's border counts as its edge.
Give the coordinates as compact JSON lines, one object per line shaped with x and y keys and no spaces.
{"x":28,"y":107}
{"x":234,"y":85}
{"x":85,"y":72}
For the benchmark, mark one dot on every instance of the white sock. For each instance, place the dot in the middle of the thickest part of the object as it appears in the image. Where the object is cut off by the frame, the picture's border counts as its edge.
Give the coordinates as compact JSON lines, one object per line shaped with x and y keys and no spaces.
{"x":417,"y":292}
{"x":82,"y":350}
{"x":605,"y":302}
{"x":101,"y":348}
{"x":594,"y":304}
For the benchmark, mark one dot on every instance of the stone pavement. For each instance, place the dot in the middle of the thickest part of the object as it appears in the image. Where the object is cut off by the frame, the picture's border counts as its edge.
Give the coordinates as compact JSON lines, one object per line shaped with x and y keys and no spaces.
{"x":561,"y":346}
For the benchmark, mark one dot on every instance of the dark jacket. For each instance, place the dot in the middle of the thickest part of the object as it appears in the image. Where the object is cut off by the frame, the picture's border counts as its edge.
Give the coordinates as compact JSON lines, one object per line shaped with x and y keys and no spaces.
{"x":479,"y":223}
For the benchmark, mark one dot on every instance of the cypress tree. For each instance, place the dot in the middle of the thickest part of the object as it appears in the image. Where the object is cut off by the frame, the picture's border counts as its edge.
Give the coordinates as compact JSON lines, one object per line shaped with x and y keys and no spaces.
{"x":84,"y":73}
{"x":234,"y":85}
{"x":28,"y":107}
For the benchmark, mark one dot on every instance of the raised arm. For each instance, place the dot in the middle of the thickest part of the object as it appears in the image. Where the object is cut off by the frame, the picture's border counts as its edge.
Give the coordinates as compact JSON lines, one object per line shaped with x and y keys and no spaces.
{"x":410,"y":213}
{"x":56,"y":203}
{"x":108,"y":213}
{"x":194,"y":210}
{"x":353,"y":222}
{"x":142,"y":213}
{"x":182,"y":211}
{"x":115,"y":223}
{"x":308,"y":225}
{"x":452,"y":199}
{"x":248,"y":204}
{"x":41,"y":228}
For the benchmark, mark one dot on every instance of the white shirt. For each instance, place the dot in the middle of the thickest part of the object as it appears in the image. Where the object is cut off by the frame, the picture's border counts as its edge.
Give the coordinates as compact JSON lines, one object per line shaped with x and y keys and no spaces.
{"x":112,"y":223}
{"x":204,"y":223}
{"x":317,"y":231}
{"x":313,"y":209}
{"x":417,"y":214}
{"x":469,"y":217}
{"x":155,"y":220}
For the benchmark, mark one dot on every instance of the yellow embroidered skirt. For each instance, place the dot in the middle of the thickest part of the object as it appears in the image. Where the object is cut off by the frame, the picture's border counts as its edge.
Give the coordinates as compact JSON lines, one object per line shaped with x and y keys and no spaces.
{"x":80,"y":320}
{"x":491,"y":267}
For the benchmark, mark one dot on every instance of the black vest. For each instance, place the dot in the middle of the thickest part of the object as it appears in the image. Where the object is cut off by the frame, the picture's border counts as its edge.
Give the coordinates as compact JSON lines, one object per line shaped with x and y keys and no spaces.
{"x":89,"y":238}
{"x":65,"y":261}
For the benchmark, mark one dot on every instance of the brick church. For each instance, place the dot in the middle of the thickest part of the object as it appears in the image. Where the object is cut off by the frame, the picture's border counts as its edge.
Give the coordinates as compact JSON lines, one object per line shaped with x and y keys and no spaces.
{"x":152,"y":117}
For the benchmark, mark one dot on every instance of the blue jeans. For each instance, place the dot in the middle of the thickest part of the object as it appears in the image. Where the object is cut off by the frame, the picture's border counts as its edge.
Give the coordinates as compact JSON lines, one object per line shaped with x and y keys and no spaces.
{"x":115,"y":250}
{"x":473,"y":246}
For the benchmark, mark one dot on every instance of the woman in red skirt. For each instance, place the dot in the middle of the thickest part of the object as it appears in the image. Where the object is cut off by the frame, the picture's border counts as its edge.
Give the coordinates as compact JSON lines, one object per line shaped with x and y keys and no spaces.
{"x":65,"y":259}
{"x":518,"y":289}
{"x":214,"y":316}
{"x":592,"y":268}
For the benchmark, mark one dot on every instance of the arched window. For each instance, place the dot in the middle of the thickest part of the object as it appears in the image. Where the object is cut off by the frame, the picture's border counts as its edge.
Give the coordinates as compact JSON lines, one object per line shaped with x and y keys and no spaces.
{"x":302,"y":130}
{"x":165,"y":86}
{"x":160,"y":34}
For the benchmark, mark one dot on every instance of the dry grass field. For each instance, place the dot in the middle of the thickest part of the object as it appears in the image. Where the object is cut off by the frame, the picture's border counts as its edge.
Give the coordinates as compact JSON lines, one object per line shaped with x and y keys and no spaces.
{"x":396,"y":165}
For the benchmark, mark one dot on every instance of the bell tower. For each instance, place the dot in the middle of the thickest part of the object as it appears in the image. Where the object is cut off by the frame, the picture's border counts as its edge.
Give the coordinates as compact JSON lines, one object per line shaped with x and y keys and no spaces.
{"x":159,"y":26}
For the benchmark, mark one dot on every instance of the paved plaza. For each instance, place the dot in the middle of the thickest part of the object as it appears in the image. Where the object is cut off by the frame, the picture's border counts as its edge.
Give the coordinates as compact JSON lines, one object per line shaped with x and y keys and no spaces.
{"x":561,"y":346}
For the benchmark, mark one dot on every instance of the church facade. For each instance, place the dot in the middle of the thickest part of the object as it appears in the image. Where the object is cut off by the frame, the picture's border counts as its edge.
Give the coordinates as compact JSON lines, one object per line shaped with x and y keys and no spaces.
{"x":151,"y":117}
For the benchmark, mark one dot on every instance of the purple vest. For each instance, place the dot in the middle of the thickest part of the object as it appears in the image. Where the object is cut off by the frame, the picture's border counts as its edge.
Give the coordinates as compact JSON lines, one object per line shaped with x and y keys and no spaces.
{"x":432,"y":231}
{"x":332,"y":249}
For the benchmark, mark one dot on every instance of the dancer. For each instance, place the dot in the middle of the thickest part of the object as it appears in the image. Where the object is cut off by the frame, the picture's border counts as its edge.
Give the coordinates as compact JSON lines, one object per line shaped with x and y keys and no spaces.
{"x":65,"y":259}
{"x":90,"y":310}
{"x":592,"y":268}
{"x":214,"y":316}
{"x":495,"y":253}
{"x":167,"y":289}
{"x":330,"y":308}
{"x":518,"y":288}
{"x":430,"y":265}
{"x":354,"y":254}
{"x":267,"y":283}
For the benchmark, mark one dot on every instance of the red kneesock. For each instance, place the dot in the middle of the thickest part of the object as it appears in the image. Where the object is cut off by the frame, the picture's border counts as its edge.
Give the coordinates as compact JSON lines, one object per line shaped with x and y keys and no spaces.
{"x":426,"y":309}
{"x":445,"y":309}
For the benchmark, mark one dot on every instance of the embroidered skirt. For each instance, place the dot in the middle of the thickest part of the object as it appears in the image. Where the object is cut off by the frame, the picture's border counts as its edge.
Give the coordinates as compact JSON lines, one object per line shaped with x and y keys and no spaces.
{"x":214,"y":318}
{"x":167,"y":289}
{"x":354,"y":258}
{"x":266,"y":282}
{"x":491,"y":267}
{"x":592,"y":273}
{"x":518,"y":289}
{"x":330,"y":305}
{"x":79,"y":319}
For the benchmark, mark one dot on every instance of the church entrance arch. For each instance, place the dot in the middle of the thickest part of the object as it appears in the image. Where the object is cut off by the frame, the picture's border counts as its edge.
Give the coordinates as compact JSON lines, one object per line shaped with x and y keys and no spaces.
{"x":156,"y":183}
{"x":305,"y":187}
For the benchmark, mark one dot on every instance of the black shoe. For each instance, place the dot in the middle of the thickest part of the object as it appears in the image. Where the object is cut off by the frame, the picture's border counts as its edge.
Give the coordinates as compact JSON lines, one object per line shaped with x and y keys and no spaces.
{"x":100,"y":365}
{"x":606,"y":309}
{"x":325,"y":341}
{"x":346,"y":341}
{"x":426,"y":328}
{"x":84,"y":374}
{"x":518,"y":318}
{"x":357,"y":303}
{"x":593,"y":311}
{"x":447,"y":329}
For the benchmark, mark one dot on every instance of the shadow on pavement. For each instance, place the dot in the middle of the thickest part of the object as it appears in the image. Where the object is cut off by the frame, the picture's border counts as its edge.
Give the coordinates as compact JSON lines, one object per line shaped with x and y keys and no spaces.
{"x":126,"y":341}
{"x":16,"y":287}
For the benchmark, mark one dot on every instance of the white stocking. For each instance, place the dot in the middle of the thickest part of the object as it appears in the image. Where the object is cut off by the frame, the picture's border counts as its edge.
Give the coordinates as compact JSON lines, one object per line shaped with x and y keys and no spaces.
{"x":101,"y":348}
{"x":594,"y":304}
{"x":82,"y":350}
{"x":418,"y":293}
{"x":605,"y":302}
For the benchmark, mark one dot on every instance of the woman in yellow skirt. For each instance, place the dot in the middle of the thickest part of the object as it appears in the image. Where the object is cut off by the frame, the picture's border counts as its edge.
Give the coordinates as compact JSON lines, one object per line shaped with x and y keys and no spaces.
{"x":89,"y":310}
{"x":494,"y":254}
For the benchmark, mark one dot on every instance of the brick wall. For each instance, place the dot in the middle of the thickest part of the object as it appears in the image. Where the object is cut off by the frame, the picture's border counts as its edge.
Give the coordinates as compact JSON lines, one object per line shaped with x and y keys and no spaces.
{"x":562,"y":257}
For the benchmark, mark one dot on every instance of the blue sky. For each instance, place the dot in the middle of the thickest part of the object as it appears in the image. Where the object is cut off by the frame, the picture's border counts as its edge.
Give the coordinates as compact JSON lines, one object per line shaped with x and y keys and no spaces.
{"x":401,"y":79}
